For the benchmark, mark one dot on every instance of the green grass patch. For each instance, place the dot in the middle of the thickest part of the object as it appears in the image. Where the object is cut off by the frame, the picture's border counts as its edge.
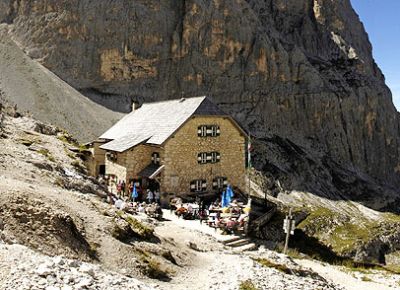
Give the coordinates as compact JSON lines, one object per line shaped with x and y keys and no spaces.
{"x":151,"y":267}
{"x":67,"y":139}
{"x":141,"y":230}
{"x":78,"y":166}
{"x":395,"y":269}
{"x":366,"y":279}
{"x":280,"y":267}
{"x":286,"y":270}
{"x":154,"y":270}
{"x":338,"y":231}
{"x":45,"y":152}
{"x":247,"y":285}
{"x":291,"y":252}
{"x":69,"y":153}
{"x":346,"y":237}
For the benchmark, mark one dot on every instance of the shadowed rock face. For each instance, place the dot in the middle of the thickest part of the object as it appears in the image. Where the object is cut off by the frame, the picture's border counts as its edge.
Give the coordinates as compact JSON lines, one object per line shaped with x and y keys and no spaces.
{"x":300,"y":69}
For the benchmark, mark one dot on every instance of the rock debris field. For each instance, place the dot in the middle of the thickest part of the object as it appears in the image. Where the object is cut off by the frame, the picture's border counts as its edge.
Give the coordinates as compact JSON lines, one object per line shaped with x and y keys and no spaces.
{"x":22,"y":268}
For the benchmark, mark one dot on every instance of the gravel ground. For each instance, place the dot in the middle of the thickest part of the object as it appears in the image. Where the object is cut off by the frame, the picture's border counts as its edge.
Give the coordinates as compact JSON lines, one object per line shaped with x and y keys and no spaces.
{"x":22,"y":268}
{"x":33,"y":210}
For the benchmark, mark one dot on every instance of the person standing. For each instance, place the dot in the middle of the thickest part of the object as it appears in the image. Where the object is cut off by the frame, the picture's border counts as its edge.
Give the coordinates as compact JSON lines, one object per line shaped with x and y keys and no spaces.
{"x":130,"y":189}
{"x":157,"y":196}
{"x":134,"y":193}
{"x":123,"y":187}
{"x":150,"y":196}
{"x":119,"y":188}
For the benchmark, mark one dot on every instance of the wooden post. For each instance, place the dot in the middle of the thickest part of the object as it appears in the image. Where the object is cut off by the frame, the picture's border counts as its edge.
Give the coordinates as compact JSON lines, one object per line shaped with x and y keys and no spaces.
{"x":288,"y":226}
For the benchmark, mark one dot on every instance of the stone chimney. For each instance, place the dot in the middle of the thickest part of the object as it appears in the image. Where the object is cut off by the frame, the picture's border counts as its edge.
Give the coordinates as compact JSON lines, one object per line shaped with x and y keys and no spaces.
{"x":135,"y":106}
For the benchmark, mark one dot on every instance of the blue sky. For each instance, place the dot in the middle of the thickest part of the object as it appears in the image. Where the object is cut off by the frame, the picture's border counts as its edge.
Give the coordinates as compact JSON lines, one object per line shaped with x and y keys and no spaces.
{"x":381,"y":19}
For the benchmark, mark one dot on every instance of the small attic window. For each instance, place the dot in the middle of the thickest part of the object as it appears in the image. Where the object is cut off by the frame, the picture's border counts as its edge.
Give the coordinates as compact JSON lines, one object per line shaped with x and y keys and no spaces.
{"x":155,"y":158}
{"x":112,"y":156}
{"x":208,"y":131}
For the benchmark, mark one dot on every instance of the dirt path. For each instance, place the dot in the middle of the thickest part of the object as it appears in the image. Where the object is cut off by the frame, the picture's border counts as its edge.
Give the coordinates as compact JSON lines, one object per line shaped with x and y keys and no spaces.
{"x":348,"y":281}
{"x":211,"y":267}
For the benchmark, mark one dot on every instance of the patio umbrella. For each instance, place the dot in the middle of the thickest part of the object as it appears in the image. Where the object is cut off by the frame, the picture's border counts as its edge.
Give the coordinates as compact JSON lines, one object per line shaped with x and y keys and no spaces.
{"x":229,"y":194}
{"x":224,"y":202}
{"x":134,"y":192}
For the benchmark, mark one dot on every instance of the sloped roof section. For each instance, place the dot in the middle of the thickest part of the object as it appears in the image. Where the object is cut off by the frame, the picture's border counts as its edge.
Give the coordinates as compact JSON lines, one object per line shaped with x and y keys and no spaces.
{"x":151,"y":170}
{"x":154,"y":123}
{"x":208,"y":108}
{"x":125,"y":142}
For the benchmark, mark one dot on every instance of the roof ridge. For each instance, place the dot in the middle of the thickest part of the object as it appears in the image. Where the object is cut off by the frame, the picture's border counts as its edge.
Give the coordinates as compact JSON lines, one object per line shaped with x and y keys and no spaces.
{"x":174,"y":100}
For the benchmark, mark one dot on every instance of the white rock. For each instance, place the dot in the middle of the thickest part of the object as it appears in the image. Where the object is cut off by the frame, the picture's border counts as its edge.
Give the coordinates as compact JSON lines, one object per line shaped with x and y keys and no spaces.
{"x":58,"y":260}
{"x":74,"y":263}
{"x":52,"y":288}
{"x":84,"y":282}
{"x":86,"y":268}
{"x":43,"y":270}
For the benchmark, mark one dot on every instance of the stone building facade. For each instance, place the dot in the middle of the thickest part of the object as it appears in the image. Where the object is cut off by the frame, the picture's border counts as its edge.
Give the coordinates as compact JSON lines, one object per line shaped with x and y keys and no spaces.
{"x":182,"y":164}
{"x":201,"y":153}
{"x":96,"y":162}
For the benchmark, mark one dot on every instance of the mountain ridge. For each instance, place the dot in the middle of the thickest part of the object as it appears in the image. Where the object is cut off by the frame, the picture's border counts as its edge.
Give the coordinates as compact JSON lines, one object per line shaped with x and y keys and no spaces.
{"x":302,"y":70}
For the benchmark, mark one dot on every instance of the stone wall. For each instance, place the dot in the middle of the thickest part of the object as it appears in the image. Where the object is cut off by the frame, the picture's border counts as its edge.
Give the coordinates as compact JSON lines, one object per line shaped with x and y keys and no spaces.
{"x":129,"y":163}
{"x":117,"y":167}
{"x":181,"y":150}
{"x":97,"y":159}
{"x":139,"y":157}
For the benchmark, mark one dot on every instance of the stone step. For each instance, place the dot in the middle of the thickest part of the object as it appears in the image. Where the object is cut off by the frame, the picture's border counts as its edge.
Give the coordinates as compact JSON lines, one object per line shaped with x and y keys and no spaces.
{"x":248,"y":247}
{"x":228,"y":239}
{"x":238,"y":243}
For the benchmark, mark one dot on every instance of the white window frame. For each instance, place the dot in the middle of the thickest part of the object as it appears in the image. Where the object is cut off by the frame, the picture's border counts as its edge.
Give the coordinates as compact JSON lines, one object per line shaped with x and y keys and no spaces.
{"x":214,"y":157}
{"x":208,"y":131}
{"x":198,"y":185}
{"x":220,"y":182}
{"x":155,"y":158}
{"x":202,"y":131}
{"x":202,"y":157}
{"x":214,"y":130}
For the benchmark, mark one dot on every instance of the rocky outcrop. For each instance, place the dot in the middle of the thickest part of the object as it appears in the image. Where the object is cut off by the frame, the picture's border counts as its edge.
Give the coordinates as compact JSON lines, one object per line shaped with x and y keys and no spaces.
{"x":301,"y":70}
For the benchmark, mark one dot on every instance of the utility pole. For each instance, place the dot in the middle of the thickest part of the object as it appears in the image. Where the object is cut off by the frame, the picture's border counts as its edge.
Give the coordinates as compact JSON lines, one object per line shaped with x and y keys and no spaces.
{"x":289,"y":225}
{"x":248,"y":164}
{"x":248,"y":180}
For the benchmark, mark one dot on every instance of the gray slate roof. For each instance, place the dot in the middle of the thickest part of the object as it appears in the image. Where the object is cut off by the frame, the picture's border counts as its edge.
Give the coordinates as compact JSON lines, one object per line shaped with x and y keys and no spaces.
{"x":126,"y":142}
{"x":154,"y":123}
{"x":149,"y":170}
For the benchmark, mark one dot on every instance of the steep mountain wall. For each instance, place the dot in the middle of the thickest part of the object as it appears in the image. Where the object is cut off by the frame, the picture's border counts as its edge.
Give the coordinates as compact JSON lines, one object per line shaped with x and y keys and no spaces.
{"x":301,"y":69}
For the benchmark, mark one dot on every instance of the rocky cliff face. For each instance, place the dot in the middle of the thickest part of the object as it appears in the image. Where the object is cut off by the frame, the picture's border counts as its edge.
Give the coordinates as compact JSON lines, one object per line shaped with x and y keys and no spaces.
{"x":300,"y":69}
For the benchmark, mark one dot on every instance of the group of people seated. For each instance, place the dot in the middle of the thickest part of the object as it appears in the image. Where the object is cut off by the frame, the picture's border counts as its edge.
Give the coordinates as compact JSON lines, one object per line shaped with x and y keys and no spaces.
{"x":152,"y":209}
{"x":230,"y":219}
